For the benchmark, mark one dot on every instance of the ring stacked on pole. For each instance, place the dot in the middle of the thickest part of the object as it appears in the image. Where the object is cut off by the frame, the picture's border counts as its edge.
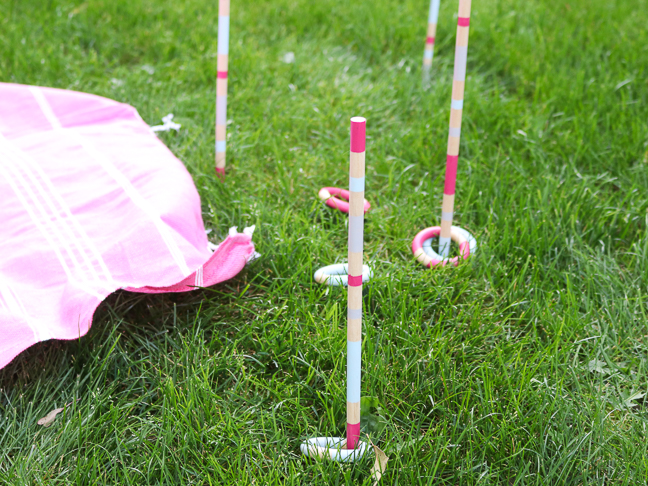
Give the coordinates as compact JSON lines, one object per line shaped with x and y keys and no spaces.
{"x":428,"y":53}
{"x":221,"y":85}
{"x":445,"y":232}
{"x":336,"y":448}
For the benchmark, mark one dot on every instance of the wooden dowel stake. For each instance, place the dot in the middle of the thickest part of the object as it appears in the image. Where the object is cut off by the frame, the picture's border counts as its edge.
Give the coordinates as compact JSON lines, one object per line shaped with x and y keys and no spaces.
{"x":428,"y":53}
{"x":454,"y":133}
{"x":221,"y":84}
{"x":356,"y":242}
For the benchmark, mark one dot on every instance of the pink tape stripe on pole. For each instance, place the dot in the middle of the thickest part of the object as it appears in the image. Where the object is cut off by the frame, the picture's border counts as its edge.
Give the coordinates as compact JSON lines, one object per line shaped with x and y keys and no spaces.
{"x":353,"y":435}
{"x":222,"y":74}
{"x":463,"y":21}
{"x":451,"y":174}
{"x":355,"y":281}
{"x":429,"y":40}
{"x":358,"y":134}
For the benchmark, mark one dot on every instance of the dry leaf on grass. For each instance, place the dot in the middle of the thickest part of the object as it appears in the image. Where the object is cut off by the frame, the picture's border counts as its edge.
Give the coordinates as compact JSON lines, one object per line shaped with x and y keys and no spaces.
{"x":380,"y":465}
{"x":48,"y":419}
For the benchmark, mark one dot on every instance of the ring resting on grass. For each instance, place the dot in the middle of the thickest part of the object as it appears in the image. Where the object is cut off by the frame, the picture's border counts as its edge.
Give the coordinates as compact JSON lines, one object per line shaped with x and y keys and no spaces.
{"x":330,"y":196}
{"x":423,"y":252}
{"x":338,"y":275}
{"x":332,"y":448}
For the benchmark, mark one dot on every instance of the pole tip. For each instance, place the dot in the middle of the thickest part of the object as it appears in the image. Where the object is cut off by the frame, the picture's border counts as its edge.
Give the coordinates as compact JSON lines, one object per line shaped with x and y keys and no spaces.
{"x":358,"y":134}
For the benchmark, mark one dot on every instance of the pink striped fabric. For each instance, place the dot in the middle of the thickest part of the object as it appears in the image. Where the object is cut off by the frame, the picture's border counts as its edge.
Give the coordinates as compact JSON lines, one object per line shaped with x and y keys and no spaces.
{"x":91,"y":202}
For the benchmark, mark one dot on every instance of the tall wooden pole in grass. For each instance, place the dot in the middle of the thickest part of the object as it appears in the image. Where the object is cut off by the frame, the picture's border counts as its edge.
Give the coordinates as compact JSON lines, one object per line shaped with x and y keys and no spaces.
{"x":356,"y":242}
{"x":221,"y":84}
{"x":428,"y":53}
{"x":454,"y":134}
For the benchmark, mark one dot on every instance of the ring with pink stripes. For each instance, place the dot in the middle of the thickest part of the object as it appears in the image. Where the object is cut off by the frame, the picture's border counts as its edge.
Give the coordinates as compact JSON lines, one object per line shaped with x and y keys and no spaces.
{"x":425,"y":254}
{"x":337,"y":198}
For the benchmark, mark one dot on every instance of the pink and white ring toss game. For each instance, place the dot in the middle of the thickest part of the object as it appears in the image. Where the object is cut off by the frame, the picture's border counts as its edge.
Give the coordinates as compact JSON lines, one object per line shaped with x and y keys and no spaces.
{"x":221,"y":85}
{"x":336,"y":448}
{"x":421,"y":246}
{"x":337,"y":198}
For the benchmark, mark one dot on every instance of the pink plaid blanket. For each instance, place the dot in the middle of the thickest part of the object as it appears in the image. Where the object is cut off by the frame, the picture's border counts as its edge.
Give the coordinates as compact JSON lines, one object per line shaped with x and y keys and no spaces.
{"x":91,"y":202}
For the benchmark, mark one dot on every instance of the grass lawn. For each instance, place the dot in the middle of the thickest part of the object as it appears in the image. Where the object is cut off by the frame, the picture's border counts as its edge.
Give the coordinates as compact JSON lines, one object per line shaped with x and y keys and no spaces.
{"x":526,"y":365}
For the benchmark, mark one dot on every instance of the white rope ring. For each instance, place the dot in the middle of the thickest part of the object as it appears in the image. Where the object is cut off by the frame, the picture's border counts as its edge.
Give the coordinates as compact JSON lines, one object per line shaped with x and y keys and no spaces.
{"x":332,"y":448}
{"x":338,"y":275}
{"x":423,"y":252}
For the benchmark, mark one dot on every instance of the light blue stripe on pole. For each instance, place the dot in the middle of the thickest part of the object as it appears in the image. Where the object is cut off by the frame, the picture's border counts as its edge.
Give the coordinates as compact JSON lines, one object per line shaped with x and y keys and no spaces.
{"x":223,"y":34}
{"x":461,"y":55}
{"x":456,"y":104}
{"x":434,"y":12}
{"x":446,"y":216}
{"x":221,"y":110}
{"x":354,"y":360}
{"x":356,"y":184}
{"x":220,"y":146}
{"x":356,"y":230}
{"x":428,"y":54}
{"x":354,"y":313}
{"x":455,"y":132}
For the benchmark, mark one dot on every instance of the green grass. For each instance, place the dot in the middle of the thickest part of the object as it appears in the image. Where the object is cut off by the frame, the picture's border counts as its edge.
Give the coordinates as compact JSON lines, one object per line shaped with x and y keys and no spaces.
{"x":483,"y":372}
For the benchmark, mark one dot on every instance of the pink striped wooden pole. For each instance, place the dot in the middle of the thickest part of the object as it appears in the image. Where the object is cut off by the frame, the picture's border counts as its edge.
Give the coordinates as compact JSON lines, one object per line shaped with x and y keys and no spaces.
{"x":428,"y":53}
{"x":454,"y":134}
{"x":221,"y":84}
{"x":356,"y":242}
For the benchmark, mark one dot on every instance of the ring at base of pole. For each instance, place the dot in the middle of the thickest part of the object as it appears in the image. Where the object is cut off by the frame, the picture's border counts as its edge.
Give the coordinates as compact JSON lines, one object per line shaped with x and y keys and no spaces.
{"x":332,"y":448}
{"x":423,"y":252}
{"x":338,"y":275}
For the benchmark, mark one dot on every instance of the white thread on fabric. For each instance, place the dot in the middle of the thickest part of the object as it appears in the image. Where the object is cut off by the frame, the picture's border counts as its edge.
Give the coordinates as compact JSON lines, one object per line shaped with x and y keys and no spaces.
{"x":41,"y":183}
{"x":140,"y":202}
{"x":46,"y":234}
{"x":71,"y":241}
{"x":198,"y":282}
{"x":45,"y":107}
{"x":121,"y":180}
{"x":46,"y":217}
{"x":15,"y":307}
{"x":49,"y":230}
